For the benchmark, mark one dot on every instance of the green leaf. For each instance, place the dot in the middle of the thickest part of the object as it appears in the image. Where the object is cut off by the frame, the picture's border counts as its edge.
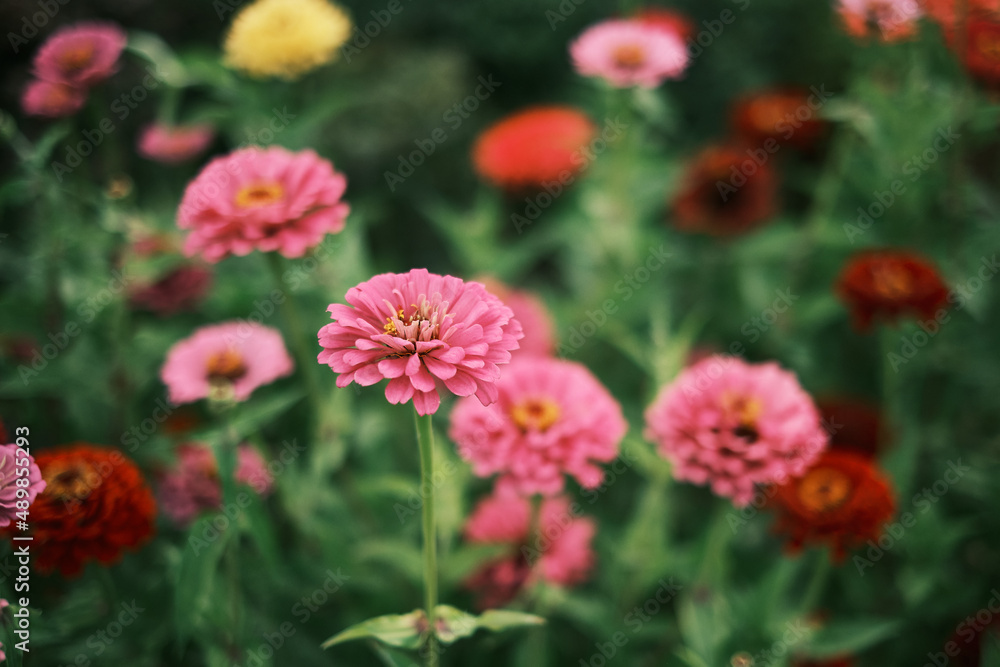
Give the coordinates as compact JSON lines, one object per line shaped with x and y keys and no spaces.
{"x":851,"y":636}
{"x":454,"y":624}
{"x":402,"y":630}
{"x":498,"y":620}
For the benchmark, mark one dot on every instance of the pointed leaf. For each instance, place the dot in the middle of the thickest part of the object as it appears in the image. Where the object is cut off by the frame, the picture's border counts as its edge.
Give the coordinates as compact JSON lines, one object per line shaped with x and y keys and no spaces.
{"x":402,"y":630}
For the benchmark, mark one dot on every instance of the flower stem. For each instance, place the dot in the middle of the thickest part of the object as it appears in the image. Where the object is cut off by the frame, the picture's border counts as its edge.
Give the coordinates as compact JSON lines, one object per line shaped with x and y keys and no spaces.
{"x":814,"y":589}
{"x":425,"y":438}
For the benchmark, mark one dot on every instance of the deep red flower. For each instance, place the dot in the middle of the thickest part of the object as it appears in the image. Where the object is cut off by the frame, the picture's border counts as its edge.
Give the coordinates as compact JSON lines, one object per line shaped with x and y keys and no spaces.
{"x":96,"y":504}
{"x":887,"y":284}
{"x":669,"y":20}
{"x":534,"y":147}
{"x":784,"y":115}
{"x":842,"y":501}
{"x":853,"y":425}
{"x":179,"y":290}
{"x":830,"y":662}
{"x":3,"y":433}
{"x":725,"y":192}
{"x":982,"y":49}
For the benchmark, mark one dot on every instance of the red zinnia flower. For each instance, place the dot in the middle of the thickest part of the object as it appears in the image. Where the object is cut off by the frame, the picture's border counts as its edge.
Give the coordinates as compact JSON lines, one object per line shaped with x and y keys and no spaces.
{"x":889,"y":283}
{"x":668,"y":20}
{"x":982,"y":50}
{"x":179,"y":290}
{"x":842,"y":500}
{"x":830,"y":662}
{"x":534,"y":147}
{"x":852,"y":424}
{"x":725,"y":192}
{"x":782,"y":115}
{"x":95,"y":505}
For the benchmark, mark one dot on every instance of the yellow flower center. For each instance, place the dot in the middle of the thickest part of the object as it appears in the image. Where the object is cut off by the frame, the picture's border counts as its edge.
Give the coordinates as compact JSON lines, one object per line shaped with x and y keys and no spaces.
{"x":259,"y":194}
{"x":824,"y":489}
{"x":73,"y":481}
{"x":629,"y":56}
{"x":535,"y":414}
{"x":225,"y":366}
{"x":892,"y":281}
{"x":76,"y":58}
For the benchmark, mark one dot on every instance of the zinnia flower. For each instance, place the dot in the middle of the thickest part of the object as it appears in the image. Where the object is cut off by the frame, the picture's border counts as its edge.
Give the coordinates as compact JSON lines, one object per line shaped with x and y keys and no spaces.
{"x":173,"y":144}
{"x":420,"y":331}
{"x":534,"y":147}
{"x":828,"y":662}
{"x":887,"y":284}
{"x":552,"y":418}
{"x":982,"y":50}
{"x":630,"y":52}
{"x":192,"y":486}
{"x":734,"y":425}
{"x":80,"y":55}
{"x":286,"y":38}
{"x":778,"y":115}
{"x":53,"y":100}
{"x":263,"y":199}
{"x":179,"y":290}
{"x":725,"y":192}
{"x":94,"y":506}
{"x":536,"y":322}
{"x":13,"y":459}
{"x":894,"y":19}
{"x":667,"y":20}
{"x":853,"y":425}
{"x":560,"y":554}
{"x":225,"y":361}
{"x":841,"y":501}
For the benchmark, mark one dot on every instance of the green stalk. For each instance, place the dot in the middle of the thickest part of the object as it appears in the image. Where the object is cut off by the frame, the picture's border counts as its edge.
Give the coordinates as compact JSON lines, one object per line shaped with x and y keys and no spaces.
{"x":814,"y":589}
{"x":425,"y":438}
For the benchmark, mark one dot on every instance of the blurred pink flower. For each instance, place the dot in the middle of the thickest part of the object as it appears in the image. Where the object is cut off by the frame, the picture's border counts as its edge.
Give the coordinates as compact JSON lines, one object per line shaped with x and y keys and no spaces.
{"x":81,"y":54}
{"x":173,"y":144}
{"x":53,"y":100}
{"x":732,"y":425}
{"x":629,"y":52}
{"x":225,"y":361}
{"x":192,"y":485}
{"x":13,"y":458}
{"x":539,"y":338}
{"x":552,"y":418}
{"x":895,"y":19}
{"x":181,"y":289}
{"x":561,"y":554}
{"x":420,"y":331}
{"x":267,"y":199}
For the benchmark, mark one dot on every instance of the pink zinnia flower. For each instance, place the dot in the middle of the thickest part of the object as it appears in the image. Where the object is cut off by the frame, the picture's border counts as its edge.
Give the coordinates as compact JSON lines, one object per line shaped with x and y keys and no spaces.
{"x":13,"y":458}
{"x":263,"y":199}
{"x":192,"y":486}
{"x":895,"y":19}
{"x":552,"y":417}
{"x":536,"y":322}
{"x":732,"y":425}
{"x":225,"y":361}
{"x":81,"y":55}
{"x":54,"y":100}
{"x":179,"y":290}
{"x":420,"y":331}
{"x":173,"y":144}
{"x":629,"y":52}
{"x":560,"y":554}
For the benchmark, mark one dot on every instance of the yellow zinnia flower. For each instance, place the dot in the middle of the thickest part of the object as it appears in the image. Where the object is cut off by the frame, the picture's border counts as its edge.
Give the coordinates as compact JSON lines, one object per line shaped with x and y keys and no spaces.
{"x":286,"y":38}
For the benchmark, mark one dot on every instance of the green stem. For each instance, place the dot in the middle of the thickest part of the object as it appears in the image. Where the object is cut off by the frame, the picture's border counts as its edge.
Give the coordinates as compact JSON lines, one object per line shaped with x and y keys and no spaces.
{"x":425,"y":438}
{"x":817,"y":582}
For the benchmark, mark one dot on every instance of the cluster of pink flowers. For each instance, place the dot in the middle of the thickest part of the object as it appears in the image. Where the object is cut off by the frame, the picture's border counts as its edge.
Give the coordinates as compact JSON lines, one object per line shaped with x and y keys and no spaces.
{"x":72,"y":60}
{"x":192,"y":485}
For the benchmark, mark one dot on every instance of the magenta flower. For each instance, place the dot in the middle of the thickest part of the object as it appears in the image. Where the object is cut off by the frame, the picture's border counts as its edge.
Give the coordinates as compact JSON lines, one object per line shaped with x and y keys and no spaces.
{"x":80,"y":55}
{"x":179,"y":290}
{"x":192,"y":485}
{"x":13,"y":459}
{"x":536,"y":322}
{"x":629,"y":52}
{"x":560,"y":554}
{"x":173,"y":144}
{"x":53,"y":100}
{"x":733,"y":425}
{"x":552,"y":418}
{"x":422,"y":332}
{"x":267,"y":199}
{"x":225,"y":361}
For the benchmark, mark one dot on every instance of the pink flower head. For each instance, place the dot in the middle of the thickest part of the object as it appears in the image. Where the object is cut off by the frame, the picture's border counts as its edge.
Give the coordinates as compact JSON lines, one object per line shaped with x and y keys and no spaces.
{"x":732,"y":425}
{"x":629,"y":52}
{"x":561,"y":554}
{"x":53,"y":100}
{"x":539,"y":338}
{"x":420,"y":331}
{"x":552,"y":417}
{"x":895,"y":19}
{"x":13,"y":459}
{"x":263,"y":199}
{"x":179,"y":290}
{"x":81,"y":55}
{"x":225,"y":361}
{"x":173,"y":144}
{"x":192,"y":486}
